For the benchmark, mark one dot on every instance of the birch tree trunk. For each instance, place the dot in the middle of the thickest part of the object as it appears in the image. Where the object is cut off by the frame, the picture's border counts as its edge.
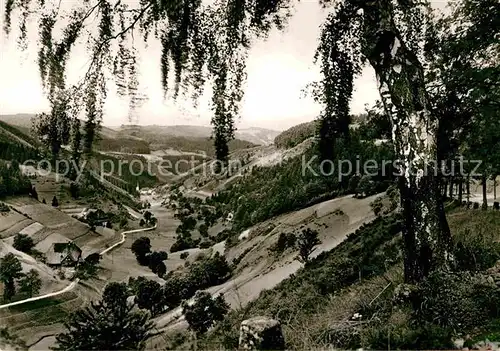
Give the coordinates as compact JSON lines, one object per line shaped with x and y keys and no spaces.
{"x":485,"y":197}
{"x":400,"y":76}
{"x":495,"y":187}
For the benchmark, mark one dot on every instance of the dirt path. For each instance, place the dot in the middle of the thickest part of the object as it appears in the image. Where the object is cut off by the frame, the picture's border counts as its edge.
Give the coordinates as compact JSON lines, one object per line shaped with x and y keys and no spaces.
{"x":73,"y":284}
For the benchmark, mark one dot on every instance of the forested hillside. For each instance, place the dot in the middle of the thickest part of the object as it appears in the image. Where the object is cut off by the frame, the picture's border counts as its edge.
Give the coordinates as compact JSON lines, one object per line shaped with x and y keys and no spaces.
{"x":297,"y":134}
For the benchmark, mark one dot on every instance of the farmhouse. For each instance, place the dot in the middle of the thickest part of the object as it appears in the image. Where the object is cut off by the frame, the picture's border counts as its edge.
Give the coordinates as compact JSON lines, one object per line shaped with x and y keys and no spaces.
{"x":59,"y":251}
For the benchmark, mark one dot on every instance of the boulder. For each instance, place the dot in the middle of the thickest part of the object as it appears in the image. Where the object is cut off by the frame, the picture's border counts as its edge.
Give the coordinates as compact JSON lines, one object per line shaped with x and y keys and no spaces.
{"x":261,"y":333}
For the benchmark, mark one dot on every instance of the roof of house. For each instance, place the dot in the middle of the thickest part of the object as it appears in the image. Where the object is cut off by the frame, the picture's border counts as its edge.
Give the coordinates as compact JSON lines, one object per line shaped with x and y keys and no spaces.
{"x":58,"y":252}
{"x":44,"y":245}
{"x":56,"y":249}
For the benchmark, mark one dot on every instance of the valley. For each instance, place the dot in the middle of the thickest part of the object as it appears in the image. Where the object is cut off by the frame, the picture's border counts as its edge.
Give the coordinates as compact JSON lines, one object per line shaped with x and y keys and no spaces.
{"x":371,"y":223}
{"x":248,"y":245}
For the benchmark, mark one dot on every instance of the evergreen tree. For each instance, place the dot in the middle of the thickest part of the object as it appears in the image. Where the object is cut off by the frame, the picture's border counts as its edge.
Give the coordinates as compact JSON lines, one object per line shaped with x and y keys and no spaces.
{"x":109,"y":324}
{"x":10,"y":269}
{"x":31,"y":283}
{"x":204,"y":311}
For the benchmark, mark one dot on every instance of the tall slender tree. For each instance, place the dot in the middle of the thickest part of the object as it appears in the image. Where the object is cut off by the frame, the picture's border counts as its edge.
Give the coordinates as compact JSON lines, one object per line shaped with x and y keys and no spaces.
{"x":10,"y":270}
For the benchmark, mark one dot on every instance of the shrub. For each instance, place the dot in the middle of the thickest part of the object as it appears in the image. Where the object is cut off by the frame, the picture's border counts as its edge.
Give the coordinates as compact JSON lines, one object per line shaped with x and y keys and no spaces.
{"x":284,"y":242}
{"x":377,"y":206}
{"x":55,"y":202}
{"x":366,"y":186}
{"x":4,"y":207}
{"x":93,"y":258}
{"x":23,"y":242}
{"x":203,"y":229}
{"x":409,"y":337}
{"x":184,"y":242}
{"x":141,"y":247}
{"x":74,"y":190}
{"x":184,"y":255}
{"x":204,"y":311}
{"x":205,"y":244}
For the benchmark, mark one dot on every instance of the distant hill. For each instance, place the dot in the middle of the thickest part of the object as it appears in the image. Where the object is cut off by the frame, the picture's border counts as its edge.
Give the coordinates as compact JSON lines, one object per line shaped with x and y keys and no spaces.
{"x":182,"y":138}
{"x":296,"y":135}
{"x":258,"y":136}
{"x":144,"y":139}
{"x":22,"y":120}
{"x":15,"y":144}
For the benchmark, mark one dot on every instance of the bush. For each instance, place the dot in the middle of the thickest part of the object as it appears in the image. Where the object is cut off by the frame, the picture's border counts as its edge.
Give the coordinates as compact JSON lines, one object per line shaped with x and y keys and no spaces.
{"x":205,"y":311}
{"x":184,"y":242}
{"x":55,"y":202}
{"x":141,"y":248}
{"x":93,"y":258}
{"x":284,"y":242}
{"x":205,"y":244}
{"x":377,"y":206}
{"x":184,"y":255}
{"x":23,"y":242}
{"x":4,"y":207}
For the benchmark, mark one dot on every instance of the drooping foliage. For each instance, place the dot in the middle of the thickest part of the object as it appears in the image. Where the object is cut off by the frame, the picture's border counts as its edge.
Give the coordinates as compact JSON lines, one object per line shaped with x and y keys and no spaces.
{"x":340,"y":60}
{"x":202,"y":43}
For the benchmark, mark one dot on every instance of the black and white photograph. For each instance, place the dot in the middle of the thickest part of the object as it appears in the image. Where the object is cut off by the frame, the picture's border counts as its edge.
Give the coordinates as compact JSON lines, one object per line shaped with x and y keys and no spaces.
{"x":249,"y":175}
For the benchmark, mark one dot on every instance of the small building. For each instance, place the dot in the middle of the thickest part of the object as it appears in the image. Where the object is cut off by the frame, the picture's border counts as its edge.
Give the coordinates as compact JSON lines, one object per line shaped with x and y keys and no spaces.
{"x":59,"y":251}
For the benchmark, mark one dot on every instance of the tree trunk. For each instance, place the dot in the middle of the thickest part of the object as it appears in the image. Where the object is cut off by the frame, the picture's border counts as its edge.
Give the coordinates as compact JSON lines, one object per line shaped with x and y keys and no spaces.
{"x":460,"y":189}
{"x":485,"y":198}
{"x":400,"y":77}
{"x":495,"y":187}
{"x":467,"y":185}
{"x":451,"y":187}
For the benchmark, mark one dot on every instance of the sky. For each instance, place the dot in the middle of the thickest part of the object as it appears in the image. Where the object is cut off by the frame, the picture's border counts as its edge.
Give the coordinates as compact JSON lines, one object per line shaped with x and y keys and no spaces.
{"x":278,"y":69}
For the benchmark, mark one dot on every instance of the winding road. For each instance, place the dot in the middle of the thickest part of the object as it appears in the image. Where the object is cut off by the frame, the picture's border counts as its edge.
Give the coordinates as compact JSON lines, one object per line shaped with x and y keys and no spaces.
{"x":74,"y":283}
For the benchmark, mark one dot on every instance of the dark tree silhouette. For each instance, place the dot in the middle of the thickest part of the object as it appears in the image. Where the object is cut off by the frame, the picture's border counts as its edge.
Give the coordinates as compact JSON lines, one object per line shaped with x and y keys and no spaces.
{"x":204,"y":311}
{"x":141,"y":248}
{"x":31,"y":283}
{"x":306,"y":242}
{"x":109,"y":324}
{"x":23,"y":242}
{"x":10,"y":269}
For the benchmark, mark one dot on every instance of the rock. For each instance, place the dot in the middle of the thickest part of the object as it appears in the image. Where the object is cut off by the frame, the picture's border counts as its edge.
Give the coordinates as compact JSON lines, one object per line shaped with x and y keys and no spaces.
{"x":261,"y":333}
